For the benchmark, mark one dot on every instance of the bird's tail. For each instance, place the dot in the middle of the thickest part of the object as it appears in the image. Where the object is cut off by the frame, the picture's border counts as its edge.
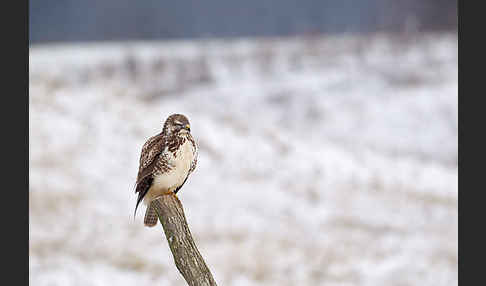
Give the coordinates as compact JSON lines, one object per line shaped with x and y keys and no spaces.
{"x":151,"y":218}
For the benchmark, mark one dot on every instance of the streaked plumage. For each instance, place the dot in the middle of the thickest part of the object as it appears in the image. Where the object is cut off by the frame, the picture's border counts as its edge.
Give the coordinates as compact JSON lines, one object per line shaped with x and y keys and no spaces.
{"x":166,"y":161}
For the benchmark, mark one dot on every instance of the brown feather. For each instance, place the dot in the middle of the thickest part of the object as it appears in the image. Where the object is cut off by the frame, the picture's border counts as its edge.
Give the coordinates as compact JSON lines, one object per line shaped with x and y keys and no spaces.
{"x":150,"y":218}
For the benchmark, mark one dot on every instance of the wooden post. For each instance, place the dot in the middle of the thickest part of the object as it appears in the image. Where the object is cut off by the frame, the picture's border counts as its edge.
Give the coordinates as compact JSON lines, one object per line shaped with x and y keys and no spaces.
{"x":186,"y":256}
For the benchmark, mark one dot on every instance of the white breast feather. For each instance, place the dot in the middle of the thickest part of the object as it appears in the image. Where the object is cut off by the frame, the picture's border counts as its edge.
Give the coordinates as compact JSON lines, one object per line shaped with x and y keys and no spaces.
{"x":174,"y":178}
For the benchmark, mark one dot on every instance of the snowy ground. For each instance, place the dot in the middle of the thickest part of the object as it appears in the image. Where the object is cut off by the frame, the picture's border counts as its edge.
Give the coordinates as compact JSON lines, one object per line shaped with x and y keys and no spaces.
{"x":323,"y":161}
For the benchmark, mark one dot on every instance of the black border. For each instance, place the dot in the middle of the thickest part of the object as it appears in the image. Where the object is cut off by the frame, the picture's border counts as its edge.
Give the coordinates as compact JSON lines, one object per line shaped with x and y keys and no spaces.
{"x":460,"y":203}
{"x":469,"y":212}
{"x":15,"y":136}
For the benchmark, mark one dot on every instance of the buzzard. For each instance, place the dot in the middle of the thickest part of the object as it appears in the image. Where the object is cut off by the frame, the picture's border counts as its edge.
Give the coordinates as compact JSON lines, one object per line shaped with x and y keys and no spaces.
{"x":166,"y":161}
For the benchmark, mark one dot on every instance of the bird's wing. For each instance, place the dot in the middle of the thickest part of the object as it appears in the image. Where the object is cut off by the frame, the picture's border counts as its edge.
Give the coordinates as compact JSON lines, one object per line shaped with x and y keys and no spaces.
{"x":151,"y":153}
{"x":194,"y":160}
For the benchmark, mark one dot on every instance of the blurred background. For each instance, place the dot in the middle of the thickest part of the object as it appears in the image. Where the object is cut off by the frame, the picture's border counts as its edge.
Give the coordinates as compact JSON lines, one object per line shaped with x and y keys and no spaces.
{"x":327,"y":134}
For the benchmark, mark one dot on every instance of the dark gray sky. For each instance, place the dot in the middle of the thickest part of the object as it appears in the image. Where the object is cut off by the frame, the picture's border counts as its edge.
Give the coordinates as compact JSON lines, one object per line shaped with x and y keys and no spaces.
{"x":104,"y":20}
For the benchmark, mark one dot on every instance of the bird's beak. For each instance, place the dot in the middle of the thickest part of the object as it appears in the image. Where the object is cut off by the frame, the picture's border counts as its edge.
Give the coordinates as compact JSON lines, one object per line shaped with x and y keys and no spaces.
{"x":188,"y":127}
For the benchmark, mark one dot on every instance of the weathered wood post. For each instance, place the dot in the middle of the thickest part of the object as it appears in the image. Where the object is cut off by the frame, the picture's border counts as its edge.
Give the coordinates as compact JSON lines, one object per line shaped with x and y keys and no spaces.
{"x":186,"y":256}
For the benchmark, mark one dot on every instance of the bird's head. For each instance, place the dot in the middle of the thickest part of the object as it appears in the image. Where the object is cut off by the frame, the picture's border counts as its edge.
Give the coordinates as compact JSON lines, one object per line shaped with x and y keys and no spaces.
{"x":176,"y":123}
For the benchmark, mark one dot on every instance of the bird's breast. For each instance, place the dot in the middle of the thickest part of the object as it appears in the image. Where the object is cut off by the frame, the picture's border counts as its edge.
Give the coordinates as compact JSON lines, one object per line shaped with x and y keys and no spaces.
{"x":180,"y":163}
{"x":182,"y":158}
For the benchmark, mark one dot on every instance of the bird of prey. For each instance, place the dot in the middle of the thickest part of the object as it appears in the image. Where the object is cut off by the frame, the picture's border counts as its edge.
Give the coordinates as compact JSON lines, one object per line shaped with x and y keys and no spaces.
{"x":166,"y":161}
